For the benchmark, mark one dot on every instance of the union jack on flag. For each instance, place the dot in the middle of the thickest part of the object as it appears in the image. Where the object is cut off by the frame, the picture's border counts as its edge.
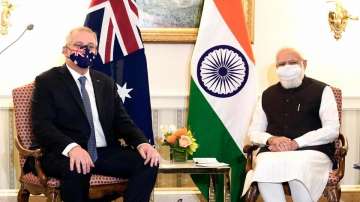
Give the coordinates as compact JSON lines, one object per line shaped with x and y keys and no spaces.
{"x":119,"y":20}
{"x":122,"y":56}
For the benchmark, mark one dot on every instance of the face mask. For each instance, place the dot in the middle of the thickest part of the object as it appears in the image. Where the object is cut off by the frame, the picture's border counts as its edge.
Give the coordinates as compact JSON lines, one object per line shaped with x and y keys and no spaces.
{"x":290,"y":76}
{"x":82,"y":57}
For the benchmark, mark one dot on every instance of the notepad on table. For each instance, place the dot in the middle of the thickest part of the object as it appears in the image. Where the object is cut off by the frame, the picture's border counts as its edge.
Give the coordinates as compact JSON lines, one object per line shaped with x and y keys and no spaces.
{"x":208,"y":162}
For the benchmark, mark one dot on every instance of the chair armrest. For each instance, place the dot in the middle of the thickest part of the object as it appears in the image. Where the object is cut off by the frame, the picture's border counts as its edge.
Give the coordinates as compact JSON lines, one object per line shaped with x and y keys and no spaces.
{"x":249,"y":149}
{"x":36,"y":153}
{"x":344,"y":145}
{"x":341,"y":156}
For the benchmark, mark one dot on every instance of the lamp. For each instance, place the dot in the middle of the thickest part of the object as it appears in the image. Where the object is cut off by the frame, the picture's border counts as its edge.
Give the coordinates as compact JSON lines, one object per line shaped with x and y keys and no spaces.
{"x":338,"y":19}
{"x":7,"y":7}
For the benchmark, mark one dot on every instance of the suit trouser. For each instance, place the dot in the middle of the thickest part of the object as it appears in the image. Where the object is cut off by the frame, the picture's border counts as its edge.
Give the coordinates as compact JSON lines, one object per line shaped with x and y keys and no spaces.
{"x":113,"y":161}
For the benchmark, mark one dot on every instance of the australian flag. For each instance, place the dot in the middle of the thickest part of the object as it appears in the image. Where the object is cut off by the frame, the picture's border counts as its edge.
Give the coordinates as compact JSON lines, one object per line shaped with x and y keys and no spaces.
{"x":121,"y":56}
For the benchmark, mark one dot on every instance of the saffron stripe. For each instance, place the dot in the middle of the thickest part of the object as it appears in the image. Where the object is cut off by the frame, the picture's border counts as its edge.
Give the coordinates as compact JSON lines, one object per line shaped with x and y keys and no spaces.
{"x":231,"y":10}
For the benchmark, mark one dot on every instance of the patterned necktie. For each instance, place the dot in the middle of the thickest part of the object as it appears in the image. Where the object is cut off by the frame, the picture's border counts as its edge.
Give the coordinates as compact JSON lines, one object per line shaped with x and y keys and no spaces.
{"x":86,"y":100}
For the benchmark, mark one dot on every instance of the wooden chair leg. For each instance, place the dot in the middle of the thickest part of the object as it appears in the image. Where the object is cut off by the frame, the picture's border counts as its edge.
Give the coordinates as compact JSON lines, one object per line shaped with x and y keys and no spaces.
{"x":252,"y":193}
{"x":332,"y":193}
{"x":23,"y":194}
{"x":53,"y":195}
{"x":338,"y":193}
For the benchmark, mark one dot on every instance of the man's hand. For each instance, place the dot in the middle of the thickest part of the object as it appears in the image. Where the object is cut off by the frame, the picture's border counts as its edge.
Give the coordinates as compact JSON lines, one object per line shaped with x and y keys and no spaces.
{"x":294,"y":145}
{"x":80,"y":159}
{"x":278,"y":144}
{"x":149,"y":154}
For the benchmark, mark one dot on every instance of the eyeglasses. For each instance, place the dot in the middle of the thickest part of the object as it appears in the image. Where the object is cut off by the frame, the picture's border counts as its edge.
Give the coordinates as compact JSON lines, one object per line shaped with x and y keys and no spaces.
{"x":289,"y":62}
{"x":79,"y":45}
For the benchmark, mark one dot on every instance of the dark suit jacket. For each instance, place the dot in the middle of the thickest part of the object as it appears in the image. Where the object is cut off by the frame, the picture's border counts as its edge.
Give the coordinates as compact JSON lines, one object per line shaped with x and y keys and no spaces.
{"x":58,"y":114}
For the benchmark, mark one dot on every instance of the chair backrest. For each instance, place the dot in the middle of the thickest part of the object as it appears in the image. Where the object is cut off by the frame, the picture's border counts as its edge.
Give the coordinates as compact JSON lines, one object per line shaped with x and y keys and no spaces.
{"x":338,"y":143}
{"x":338,"y":98}
{"x":22,"y":108}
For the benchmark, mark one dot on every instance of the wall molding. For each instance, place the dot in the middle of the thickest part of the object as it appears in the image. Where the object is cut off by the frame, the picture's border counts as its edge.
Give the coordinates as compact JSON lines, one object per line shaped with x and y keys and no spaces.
{"x":351,"y":103}
{"x":8,"y":192}
{"x":6,"y":102}
{"x":180,"y":101}
{"x":187,"y":190}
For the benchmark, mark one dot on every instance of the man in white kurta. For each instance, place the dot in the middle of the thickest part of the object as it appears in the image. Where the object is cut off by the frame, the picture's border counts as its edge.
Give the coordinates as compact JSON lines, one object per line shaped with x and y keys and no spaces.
{"x":295,"y":148}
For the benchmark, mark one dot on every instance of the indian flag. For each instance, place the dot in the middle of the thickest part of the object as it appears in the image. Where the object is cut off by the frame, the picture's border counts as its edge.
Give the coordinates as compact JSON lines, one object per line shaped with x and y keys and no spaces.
{"x":222,"y":89}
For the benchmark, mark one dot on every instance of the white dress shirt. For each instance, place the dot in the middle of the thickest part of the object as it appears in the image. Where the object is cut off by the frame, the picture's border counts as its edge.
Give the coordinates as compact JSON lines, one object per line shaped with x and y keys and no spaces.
{"x":99,"y":133}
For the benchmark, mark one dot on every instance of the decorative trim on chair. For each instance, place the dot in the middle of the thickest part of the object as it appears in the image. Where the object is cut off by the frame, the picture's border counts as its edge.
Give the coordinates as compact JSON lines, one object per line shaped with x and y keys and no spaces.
{"x":12,"y":173}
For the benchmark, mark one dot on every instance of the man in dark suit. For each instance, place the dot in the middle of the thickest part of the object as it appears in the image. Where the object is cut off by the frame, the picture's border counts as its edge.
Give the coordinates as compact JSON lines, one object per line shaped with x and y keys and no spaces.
{"x":78,"y":119}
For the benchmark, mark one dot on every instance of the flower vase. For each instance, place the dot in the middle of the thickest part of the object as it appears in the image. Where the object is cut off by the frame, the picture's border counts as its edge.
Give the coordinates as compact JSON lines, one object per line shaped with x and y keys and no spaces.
{"x":178,"y":155}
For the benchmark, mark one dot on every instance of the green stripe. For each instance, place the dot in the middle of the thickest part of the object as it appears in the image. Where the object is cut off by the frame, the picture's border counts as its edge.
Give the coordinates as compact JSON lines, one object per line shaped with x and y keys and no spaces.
{"x":214,"y":141}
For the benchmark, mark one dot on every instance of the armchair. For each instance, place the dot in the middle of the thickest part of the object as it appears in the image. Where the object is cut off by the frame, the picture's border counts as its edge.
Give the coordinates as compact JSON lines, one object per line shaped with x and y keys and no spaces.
{"x":332,"y":190}
{"x":100,"y":185}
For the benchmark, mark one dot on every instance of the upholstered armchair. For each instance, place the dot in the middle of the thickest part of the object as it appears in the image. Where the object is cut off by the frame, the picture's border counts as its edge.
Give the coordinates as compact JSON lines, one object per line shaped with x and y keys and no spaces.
{"x":332,"y":190}
{"x":100,"y":185}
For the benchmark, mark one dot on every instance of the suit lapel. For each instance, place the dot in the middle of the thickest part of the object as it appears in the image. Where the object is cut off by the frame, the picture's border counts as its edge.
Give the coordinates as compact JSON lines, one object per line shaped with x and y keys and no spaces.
{"x":72,"y":87}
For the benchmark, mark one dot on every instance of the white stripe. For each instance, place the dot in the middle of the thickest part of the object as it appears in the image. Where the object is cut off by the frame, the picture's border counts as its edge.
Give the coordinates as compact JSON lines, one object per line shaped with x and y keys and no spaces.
{"x":99,"y":6}
{"x":133,"y":21}
{"x":117,"y":33}
{"x":112,"y":46}
{"x":137,"y":9}
{"x":103,"y":35}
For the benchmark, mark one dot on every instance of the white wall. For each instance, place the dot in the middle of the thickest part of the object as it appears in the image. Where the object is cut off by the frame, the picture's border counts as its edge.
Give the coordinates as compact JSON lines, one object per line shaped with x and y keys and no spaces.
{"x":303,"y":24}
{"x":168,"y":66}
{"x":40,"y":48}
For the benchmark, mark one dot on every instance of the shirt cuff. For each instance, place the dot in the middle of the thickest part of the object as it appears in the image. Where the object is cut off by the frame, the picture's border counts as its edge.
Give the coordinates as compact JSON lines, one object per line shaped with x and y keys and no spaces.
{"x":300,"y":141}
{"x":266,"y":138}
{"x":261,"y":137}
{"x":68,"y":148}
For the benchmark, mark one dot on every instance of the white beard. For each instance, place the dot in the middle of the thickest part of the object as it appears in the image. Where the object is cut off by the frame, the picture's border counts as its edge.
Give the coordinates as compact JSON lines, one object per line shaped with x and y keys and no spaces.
{"x":293,"y":83}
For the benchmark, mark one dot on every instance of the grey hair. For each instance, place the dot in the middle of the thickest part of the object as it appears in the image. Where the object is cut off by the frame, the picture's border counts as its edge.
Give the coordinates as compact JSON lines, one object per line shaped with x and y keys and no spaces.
{"x":79,"y":29}
{"x":288,"y":49}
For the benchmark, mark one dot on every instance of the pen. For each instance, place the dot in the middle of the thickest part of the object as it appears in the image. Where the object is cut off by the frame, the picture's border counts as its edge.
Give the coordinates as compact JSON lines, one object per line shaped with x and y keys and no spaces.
{"x":298,"y":109}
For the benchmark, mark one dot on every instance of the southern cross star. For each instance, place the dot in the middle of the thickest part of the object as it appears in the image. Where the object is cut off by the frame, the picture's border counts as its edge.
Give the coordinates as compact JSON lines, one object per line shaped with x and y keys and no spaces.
{"x":124,"y":92}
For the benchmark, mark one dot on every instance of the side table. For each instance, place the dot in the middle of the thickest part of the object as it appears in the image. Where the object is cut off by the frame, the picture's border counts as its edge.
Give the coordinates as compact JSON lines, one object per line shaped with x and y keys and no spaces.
{"x":189,"y":167}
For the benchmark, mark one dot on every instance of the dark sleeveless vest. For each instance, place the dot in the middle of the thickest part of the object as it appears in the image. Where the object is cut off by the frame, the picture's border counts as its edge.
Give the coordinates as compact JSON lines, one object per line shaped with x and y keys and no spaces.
{"x":294,"y":112}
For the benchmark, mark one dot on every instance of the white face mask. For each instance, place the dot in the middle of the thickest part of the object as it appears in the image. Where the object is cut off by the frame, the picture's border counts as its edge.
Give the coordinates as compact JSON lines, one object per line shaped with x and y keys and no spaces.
{"x":290,"y":76}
